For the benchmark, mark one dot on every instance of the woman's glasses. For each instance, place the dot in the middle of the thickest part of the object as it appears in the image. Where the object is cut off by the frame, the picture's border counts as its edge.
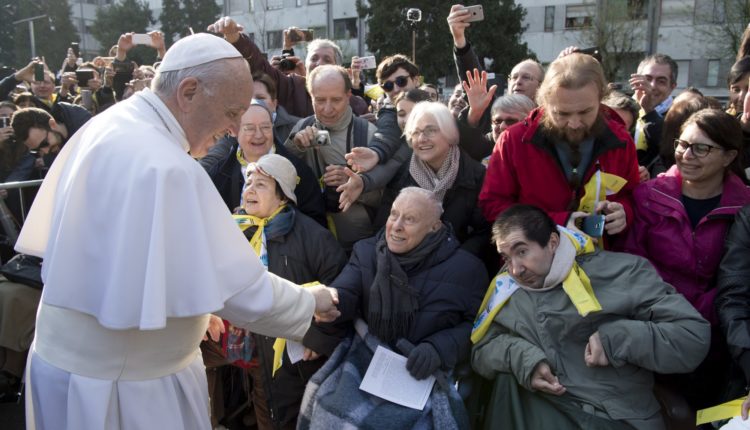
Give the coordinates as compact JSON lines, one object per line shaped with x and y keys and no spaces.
{"x":698,"y":149}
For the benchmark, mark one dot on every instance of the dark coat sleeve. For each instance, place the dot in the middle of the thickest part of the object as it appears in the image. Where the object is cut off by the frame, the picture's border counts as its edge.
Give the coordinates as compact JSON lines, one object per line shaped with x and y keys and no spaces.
{"x":309,"y":197}
{"x":290,"y":89}
{"x":7,"y":85}
{"x":733,"y":296}
{"x":652,"y":130}
{"x":387,"y":139}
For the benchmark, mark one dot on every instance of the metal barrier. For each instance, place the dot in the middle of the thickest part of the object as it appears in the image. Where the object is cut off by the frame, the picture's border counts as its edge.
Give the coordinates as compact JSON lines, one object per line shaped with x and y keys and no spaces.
{"x":19,"y":185}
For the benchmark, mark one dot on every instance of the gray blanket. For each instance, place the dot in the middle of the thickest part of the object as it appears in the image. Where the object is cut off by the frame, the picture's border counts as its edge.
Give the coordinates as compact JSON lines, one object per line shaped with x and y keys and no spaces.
{"x":333,"y":399}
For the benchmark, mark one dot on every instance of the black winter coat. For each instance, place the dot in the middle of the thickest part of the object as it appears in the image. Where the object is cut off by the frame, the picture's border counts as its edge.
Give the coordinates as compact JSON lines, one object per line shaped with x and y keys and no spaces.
{"x":733,"y":296}
{"x":450,"y":292}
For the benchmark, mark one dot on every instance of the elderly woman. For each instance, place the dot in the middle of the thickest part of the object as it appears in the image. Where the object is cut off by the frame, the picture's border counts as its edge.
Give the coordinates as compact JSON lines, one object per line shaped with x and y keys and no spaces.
{"x":411,"y":281}
{"x":681,"y":220}
{"x":293,"y":246}
{"x":227,"y":162}
{"x":439,"y":165}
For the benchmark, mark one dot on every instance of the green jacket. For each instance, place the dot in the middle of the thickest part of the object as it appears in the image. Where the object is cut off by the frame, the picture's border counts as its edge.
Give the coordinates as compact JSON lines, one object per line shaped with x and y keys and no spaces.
{"x":644,"y":325}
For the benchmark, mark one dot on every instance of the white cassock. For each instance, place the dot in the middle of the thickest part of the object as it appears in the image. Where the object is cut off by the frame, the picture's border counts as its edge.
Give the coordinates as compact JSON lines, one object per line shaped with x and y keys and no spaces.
{"x":138,"y":249}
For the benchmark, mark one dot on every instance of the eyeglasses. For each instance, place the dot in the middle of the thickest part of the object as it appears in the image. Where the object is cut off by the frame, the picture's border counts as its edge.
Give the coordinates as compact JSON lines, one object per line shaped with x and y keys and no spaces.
{"x":252,"y":128}
{"x":401,"y":81}
{"x":521,"y":77}
{"x":698,"y":149}
{"x":429,"y":132}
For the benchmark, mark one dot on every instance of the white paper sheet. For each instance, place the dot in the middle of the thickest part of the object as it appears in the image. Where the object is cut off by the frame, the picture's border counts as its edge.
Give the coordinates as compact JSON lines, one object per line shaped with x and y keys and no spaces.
{"x":387,"y":378}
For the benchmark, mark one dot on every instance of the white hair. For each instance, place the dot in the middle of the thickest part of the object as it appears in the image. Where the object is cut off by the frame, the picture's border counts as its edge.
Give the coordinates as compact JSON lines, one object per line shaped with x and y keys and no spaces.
{"x":513,"y":103}
{"x":165,"y":84}
{"x":445,"y":120}
{"x":434,"y":205}
{"x":324,"y":43}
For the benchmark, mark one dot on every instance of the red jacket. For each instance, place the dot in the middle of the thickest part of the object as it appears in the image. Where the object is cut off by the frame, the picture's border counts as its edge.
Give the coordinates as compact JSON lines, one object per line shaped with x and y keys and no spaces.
{"x":524,"y":168}
{"x":685,"y":257}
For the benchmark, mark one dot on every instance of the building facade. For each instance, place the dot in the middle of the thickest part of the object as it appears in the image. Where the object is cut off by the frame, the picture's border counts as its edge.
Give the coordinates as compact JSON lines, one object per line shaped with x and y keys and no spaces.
{"x":681,"y":29}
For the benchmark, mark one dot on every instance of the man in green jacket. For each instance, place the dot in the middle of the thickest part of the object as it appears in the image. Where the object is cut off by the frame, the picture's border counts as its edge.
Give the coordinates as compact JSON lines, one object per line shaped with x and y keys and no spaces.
{"x":581,"y":330}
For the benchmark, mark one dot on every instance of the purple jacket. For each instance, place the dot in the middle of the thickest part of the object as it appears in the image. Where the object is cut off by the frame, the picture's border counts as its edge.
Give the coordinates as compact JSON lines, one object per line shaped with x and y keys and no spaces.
{"x":661,"y":232}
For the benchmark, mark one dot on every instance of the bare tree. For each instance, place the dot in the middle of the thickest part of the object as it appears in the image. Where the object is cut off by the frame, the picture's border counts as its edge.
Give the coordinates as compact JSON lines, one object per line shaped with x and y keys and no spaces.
{"x":721,"y":23}
{"x":618,"y":30}
{"x":258,"y":15}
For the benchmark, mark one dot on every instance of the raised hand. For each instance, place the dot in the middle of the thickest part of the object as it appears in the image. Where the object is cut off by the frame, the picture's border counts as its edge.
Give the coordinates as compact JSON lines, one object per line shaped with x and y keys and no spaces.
{"x":350,"y":190}
{"x":479,"y":97}
{"x":362,"y":159}
{"x":227,"y":27}
{"x":457,"y":24}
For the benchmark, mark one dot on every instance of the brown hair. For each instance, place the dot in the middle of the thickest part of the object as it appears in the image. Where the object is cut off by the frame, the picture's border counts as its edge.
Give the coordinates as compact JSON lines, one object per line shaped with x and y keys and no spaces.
{"x":573,"y":71}
{"x":389,"y":65}
{"x":267,"y":82}
{"x":724,"y":130}
{"x":673,"y":121}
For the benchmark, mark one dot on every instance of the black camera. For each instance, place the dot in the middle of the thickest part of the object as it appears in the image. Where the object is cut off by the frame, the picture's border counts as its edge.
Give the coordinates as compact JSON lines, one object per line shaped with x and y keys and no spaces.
{"x":414,"y":15}
{"x":286,"y":64}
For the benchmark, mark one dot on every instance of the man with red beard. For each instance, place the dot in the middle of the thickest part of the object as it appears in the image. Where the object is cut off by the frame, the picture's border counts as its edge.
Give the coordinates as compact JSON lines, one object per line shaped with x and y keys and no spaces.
{"x":571,"y":156}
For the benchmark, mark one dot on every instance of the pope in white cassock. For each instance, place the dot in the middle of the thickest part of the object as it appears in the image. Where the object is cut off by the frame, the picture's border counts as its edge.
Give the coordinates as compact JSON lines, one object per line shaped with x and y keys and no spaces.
{"x":139,"y":248}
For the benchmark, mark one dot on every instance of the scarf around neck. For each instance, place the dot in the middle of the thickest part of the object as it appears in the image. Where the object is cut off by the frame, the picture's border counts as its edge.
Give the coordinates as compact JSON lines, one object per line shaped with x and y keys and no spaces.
{"x":393,"y":302}
{"x":280,"y":219}
{"x":440,"y":182}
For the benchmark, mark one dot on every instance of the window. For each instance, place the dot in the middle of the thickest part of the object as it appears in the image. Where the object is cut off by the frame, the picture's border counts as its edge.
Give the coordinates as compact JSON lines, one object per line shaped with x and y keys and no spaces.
{"x":274,"y":39}
{"x":578,"y":16}
{"x":345,"y":28}
{"x":683,"y":67}
{"x":299,"y":3}
{"x":320,"y":32}
{"x":238,"y":6}
{"x":637,"y":9}
{"x":549,"y":18}
{"x":274,"y":4}
{"x":712,"y":77}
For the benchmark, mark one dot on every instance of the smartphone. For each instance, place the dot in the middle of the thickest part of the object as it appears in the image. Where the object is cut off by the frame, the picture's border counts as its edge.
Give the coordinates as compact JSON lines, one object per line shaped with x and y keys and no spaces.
{"x":86,"y":100}
{"x":593,"y":51}
{"x":593,"y":225}
{"x":83,"y":76}
{"x":141,"y":39}
{"x":476,"y":13}
{"x":301,"y":35}
{"x":368,"y":62}
{"x":38,"y":72}
{"x":76,"y":49}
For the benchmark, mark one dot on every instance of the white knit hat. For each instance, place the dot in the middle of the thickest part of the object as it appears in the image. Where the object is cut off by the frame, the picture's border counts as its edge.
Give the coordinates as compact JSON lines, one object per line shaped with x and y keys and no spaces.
{"x":280,"y":169}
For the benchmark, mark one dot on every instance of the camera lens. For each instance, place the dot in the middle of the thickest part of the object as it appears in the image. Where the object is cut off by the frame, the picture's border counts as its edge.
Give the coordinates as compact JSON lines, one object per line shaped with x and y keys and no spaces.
{"x":286,"y":64}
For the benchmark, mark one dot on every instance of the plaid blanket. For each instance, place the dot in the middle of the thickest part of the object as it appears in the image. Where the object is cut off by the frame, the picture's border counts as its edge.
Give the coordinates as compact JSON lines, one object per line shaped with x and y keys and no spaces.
{"x":333,"y":399}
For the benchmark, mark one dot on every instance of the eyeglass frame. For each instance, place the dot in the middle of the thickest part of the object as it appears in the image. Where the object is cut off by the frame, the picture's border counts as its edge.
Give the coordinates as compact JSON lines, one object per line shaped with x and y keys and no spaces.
{"x":428,"y":132}
{"x":678,"y":144}
{"x":268,"y":126}
{"x":388,"y":85}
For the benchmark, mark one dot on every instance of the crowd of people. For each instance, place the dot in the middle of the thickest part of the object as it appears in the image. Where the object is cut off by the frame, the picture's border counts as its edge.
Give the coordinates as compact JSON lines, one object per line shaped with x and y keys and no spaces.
{"x":215,"y":226}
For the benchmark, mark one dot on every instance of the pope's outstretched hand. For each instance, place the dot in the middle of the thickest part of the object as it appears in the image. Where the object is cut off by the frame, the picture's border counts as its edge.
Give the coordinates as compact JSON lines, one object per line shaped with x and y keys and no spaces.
{"x":326,"y":300}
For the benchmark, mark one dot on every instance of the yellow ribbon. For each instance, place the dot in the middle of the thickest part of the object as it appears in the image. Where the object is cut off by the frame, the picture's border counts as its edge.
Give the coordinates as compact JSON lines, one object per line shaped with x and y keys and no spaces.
{"x":723,"y":411}
{"x":280,"y":344}
{"x":598,"y":188}
{"x":576,"y":285}
{"x":640,"y":136}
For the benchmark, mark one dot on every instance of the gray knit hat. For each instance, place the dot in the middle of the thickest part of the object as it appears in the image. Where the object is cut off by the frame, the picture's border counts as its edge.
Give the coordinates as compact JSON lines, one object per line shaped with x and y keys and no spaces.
{"x":280,"y":169}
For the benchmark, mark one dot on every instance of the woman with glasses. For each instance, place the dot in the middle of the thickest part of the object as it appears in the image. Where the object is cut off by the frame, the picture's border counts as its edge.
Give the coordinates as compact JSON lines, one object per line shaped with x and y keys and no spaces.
{"x":439,"y":165}
{"x":681,"y":220}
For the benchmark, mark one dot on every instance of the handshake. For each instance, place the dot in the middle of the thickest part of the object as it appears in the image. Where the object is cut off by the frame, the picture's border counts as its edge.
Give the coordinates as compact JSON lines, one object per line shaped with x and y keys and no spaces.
{"x":326,"y":300}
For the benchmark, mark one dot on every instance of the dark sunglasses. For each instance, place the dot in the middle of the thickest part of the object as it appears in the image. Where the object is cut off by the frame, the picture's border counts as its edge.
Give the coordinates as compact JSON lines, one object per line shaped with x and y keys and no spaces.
{"x":401,"y":81}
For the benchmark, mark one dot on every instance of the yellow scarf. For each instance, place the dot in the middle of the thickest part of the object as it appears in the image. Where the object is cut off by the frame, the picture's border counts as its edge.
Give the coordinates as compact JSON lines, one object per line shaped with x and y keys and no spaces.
{"x":576,"y":285}
{"x":246,"y":221}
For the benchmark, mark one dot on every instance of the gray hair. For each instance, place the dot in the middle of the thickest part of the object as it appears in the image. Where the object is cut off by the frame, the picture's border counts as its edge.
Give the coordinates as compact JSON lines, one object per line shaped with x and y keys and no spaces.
{"x":434,"y":204}
{"x":445,"y":120}
{"x":324,"y":43}
{"x":165,"y":84}
{"x":513,"y":103}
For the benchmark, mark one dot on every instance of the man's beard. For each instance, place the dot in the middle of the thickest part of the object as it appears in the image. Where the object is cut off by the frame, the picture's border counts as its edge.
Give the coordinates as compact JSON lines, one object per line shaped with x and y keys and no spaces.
{"x":572,"y":137}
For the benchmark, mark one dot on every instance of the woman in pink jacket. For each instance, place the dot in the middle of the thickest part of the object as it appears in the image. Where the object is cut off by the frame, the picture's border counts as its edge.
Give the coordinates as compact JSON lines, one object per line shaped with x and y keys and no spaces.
{"x":682,"y":216}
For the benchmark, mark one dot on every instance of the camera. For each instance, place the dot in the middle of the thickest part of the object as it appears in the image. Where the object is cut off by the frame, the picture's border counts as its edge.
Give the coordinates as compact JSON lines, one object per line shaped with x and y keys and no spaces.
{"x":286,"y":65}
{"x":414,"y":15}
{"x":322,"y":137}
